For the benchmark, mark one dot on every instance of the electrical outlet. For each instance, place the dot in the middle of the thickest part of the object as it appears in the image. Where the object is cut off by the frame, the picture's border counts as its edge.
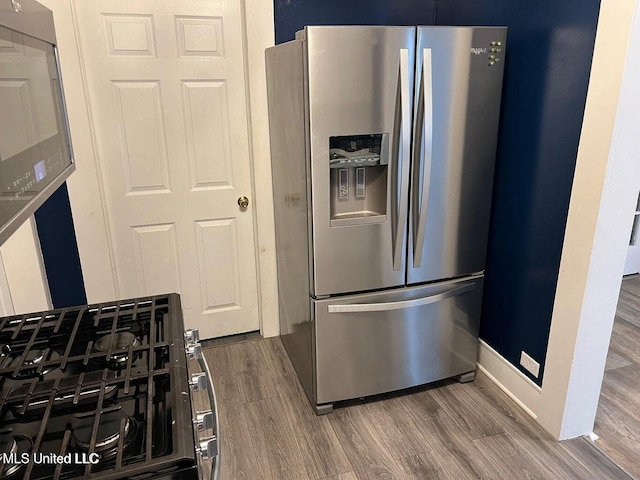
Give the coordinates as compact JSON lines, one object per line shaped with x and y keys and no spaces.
{"x":529,"y":364}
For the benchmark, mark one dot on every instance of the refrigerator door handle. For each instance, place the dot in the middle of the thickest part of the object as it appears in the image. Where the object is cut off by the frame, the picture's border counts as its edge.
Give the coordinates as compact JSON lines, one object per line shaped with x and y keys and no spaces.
{"x":386,"y":306}
{"x":403,"y":151}
{"x":425,"y":147}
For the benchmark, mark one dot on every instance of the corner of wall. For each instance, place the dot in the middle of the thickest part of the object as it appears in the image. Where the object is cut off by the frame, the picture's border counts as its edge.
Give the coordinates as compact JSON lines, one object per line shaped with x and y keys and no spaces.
{"x":598,"y":225}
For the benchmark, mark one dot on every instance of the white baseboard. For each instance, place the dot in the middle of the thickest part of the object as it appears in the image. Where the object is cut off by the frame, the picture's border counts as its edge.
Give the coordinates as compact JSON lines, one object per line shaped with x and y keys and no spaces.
{"x":510,"y":380}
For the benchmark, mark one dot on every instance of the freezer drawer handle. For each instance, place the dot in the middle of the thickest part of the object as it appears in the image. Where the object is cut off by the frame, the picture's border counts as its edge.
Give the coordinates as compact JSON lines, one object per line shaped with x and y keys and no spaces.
{"x":416,"y":302}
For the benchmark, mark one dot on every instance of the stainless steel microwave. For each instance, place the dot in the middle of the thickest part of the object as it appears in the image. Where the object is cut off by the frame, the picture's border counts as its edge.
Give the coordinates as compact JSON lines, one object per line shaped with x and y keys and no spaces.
{"x":35,"y":148}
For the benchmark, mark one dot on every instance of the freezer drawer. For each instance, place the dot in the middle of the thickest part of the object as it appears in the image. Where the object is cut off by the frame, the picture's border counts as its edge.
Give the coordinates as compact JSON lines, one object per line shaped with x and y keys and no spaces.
{"x":380,"y":342}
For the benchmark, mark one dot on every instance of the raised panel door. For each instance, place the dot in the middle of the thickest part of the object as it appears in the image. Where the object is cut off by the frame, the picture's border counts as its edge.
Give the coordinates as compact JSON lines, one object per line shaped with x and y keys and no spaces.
{"x":166,"y":86}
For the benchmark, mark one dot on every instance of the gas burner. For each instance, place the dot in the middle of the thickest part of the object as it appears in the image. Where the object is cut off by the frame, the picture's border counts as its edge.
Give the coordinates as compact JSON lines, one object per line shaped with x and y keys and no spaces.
{"x":5,"y":351}
{"x":12,"y":448}
{"x":88,"y":395}
{"x":119,"y":343}
{"x":31,"y":364}
{"x":108,"y":435}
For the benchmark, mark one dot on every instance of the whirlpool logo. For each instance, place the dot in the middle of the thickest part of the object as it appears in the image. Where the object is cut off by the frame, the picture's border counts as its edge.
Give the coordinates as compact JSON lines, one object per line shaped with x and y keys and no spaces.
{"x":478,"y":51}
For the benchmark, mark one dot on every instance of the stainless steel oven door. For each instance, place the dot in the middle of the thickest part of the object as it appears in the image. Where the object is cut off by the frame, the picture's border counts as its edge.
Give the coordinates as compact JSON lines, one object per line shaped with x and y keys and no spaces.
{"x":204,"y":409}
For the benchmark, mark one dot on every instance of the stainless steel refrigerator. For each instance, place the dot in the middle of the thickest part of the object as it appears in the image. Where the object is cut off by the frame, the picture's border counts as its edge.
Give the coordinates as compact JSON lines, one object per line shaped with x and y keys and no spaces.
{"x":383,"y":144}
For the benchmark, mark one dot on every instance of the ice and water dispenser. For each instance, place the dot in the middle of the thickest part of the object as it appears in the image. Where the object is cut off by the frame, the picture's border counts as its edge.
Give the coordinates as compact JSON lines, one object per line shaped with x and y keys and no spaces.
{"x":358,"y":166}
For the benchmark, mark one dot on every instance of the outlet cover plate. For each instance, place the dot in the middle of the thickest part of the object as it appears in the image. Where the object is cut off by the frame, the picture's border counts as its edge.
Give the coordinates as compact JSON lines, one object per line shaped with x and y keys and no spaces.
{"x":529,"y":364}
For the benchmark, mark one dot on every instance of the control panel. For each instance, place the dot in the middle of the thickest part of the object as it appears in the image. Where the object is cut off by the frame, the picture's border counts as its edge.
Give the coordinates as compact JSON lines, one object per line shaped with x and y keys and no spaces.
{"x":495,"y":52}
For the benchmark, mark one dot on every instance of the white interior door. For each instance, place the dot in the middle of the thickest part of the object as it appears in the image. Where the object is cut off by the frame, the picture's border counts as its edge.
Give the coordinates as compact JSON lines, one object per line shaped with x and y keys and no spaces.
{"x":632,"y":264}
{"x":166,"y":85}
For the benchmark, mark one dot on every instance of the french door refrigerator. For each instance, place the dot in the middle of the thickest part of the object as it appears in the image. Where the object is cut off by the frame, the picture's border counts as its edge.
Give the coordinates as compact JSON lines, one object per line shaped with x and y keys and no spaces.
{"x":383,"y":144}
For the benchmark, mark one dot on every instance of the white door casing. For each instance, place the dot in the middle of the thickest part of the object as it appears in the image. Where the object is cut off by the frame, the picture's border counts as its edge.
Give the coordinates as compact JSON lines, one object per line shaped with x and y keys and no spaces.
{"x":166,"y":86}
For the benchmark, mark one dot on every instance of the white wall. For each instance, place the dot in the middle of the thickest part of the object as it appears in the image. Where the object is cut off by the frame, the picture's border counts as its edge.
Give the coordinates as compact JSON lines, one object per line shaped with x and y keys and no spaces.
{"x":6,"y":305}
{"x":23,"y":282}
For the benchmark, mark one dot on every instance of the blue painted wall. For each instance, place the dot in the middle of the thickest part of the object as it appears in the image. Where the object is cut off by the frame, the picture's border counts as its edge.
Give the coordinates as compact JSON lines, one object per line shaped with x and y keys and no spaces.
{"x":549,"y":51}
{"x":293,"y":15}
{"x":60,"y":250}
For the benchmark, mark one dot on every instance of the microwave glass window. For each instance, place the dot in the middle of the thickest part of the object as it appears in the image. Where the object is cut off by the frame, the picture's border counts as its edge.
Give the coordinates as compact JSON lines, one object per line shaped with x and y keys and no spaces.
{"x":34,"y":146}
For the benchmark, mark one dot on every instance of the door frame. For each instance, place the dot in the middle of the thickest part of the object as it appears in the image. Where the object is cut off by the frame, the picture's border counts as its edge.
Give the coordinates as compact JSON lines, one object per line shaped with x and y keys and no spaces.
{"x":87,"y":197}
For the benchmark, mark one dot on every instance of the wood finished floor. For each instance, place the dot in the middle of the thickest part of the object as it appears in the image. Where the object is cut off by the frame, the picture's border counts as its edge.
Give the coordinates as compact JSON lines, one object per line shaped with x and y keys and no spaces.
{"x":618,"y":418}
{"x":443,"y":431}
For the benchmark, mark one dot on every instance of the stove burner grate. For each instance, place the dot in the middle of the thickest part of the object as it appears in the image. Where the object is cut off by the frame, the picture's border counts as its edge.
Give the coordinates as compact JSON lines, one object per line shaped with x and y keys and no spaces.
{"x":107,"y":379}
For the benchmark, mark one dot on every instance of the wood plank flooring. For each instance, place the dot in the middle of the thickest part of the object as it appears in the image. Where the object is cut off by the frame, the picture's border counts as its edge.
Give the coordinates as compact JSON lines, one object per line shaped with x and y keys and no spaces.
{"x":446,"y":430}
{"x":618,"y":418}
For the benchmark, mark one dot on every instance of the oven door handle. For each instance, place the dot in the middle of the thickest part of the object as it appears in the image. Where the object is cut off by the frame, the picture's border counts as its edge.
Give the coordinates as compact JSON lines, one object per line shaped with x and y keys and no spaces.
{"x":209,"y":447}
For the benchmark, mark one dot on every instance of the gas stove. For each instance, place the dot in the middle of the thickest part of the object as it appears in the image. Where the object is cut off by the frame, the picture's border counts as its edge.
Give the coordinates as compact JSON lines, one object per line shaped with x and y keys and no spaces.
{"x":104,"y":392}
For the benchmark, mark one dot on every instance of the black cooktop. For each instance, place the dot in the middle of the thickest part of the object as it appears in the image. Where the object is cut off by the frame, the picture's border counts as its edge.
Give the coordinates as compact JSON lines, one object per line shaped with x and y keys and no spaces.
{"x":97,"y":391}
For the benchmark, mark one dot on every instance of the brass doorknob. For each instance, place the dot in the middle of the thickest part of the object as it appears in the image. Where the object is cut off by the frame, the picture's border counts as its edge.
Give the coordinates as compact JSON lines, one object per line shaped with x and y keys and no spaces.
{"x":243,"y":202}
